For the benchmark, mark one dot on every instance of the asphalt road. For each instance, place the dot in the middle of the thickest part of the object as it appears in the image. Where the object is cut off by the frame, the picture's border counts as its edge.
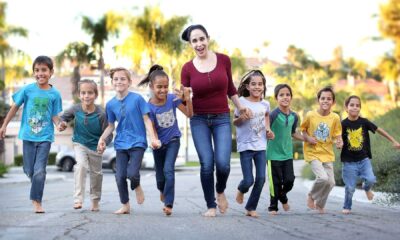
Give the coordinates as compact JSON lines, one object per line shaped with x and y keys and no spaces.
{"x":61,"y":221}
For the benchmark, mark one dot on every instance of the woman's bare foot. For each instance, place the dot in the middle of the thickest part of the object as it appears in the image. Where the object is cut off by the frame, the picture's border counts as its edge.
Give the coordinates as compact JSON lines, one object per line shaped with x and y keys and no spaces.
{"x":37,"y":206}
{"x":162,"y":197}
{"x":346,"y":211}
{"x":370,"y":195}
{"x":286,"y":206}
{"x":252,"y":214}
{"x":211,"y":212}
{"x":95,"y":206}
{"x":139,"y":194}
{"x":125,"y":209}
{"x":239,"y":197}
{"x":222,"y":202}
{"x":272,"y":212}
{"x":310,"y":202}
{"x":77,"y":205}
{"x":167,"y":211}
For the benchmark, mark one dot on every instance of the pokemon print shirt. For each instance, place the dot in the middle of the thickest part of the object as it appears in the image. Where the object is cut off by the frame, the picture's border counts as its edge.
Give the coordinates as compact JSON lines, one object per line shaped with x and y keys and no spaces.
{"x":356,"y":144}
{"x":39,"y":108}
{"x":164,"y":119}
{"x":324,"y":129}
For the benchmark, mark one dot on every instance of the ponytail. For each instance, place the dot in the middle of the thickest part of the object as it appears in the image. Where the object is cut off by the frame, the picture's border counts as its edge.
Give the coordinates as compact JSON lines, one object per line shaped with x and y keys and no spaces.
{"x":155,"y":70}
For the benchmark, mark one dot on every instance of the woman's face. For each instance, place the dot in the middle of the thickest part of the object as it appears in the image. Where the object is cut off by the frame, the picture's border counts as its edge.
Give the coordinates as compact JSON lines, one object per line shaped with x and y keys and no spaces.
{"x":199,"y":42}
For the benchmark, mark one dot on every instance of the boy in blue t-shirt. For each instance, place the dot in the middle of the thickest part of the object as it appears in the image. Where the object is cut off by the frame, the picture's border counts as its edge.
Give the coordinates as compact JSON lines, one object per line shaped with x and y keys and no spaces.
{"x":42,"y":104}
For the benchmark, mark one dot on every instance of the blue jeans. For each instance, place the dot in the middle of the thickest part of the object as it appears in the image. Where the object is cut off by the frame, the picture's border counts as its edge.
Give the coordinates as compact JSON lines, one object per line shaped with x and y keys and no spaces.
{"x":164,"y":163}
{"x":212,"y":137}
{"x":35,"y":156}
{"x":128,"y":166}
{"x":246,"y":160}
{"x":351,"y":171}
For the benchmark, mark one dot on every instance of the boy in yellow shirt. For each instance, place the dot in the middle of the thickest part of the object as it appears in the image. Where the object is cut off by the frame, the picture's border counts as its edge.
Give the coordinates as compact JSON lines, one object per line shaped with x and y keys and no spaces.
{"x":321,"y":128}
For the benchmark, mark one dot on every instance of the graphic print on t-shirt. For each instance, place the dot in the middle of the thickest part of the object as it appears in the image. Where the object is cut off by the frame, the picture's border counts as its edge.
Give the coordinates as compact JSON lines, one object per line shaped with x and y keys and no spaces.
{"x":37,"y":120}
{"x":166,"y":119}
{"x":257,"y":123}
{"x":322,"y":132}
{"x":355,"y":139}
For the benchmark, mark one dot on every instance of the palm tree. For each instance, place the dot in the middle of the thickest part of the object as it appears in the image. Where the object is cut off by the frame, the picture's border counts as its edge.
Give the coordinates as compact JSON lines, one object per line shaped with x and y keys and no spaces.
{"x":100,"y":31}
{"x":78,"y":53}
{"x":6,"y":50}
{"x":154,"y":37}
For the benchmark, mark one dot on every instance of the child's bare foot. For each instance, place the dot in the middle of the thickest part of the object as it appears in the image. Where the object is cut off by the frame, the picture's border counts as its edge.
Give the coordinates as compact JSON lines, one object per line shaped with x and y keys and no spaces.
{"x":162,"y":197}
{"x":211,"y":212}
{"x":272,"y":212}
{"x":286,"y":207}
{"x":239,"y":197}
{"x":346,"y":211}
{"x":252,"y":214}
{"x":370,"y":195}
{"x":125,"y":209}
{"x":321,"y":210}
{"x":77,"y":205}
{"x":95,"y":206}
{"x":222,"y":202}
{"x":167,"y":211}
{"x":37,"y":206}
{"x":139,"y":194}
{"x":310,"y":202}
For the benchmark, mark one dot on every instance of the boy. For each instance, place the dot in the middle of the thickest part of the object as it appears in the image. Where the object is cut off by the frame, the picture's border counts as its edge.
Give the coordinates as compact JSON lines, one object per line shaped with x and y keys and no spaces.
{"x":42,"y":104}
{"x":319,"y":129}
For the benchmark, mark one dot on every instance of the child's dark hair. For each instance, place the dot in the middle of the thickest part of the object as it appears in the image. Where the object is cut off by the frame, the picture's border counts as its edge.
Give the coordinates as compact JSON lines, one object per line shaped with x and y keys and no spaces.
{"x":93,"y":83}
{"x":282,"y":86}
{"x":155,"y":71}
{"x":186,"y":33}
{"x":326,"y":89}
{"x":242,"y":89}
{"x":43,"y":60}
{"x":347,"y":101}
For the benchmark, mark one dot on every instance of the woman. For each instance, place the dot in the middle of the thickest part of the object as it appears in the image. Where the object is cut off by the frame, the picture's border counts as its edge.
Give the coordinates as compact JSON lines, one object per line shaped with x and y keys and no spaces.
{"x":210,"y":77}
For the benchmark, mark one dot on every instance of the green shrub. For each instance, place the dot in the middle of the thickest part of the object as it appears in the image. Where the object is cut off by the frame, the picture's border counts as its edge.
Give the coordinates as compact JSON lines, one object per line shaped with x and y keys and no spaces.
{"x":18,"y":160}
{"x":3,"y":169}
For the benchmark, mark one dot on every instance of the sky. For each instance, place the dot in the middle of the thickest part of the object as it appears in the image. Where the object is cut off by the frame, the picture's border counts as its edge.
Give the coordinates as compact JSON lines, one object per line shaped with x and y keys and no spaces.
{"x":317,"y":26}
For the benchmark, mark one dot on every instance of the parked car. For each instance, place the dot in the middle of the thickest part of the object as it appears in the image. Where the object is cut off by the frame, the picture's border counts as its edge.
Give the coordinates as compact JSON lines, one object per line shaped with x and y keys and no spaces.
{"x":65,"y":159}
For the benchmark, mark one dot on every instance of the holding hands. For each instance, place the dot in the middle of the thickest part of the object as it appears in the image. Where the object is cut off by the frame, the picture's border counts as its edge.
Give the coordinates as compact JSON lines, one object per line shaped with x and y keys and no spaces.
{"x":62,"y":126}
{"x":183,"y":93}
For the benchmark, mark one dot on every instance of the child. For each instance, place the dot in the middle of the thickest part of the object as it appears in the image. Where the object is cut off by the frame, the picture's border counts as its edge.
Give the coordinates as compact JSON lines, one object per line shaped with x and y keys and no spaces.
{"x":130,"y":110}
{"x":356,"y":154}
{"x":89,"y":123}
{"x":319,"y":128}
{"x":252,"y":137}
{"x":42,"y":104}
{"x":163,"y":115}
{"x":280,"y":150}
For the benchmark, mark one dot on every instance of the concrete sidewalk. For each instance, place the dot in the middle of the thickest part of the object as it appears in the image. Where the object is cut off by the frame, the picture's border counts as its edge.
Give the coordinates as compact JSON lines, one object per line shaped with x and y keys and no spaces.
{"x":17,"y":175}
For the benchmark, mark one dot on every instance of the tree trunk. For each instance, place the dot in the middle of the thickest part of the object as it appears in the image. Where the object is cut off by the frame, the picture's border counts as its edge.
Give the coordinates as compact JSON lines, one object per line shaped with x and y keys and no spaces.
{"x":76,"y":77}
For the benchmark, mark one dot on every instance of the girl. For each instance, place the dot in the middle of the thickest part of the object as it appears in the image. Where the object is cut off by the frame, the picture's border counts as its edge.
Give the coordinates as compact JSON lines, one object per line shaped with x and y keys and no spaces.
{"x":252,"y":135}
{"x":89,"y":123}
{"x":356,"y":154}
{"x":130,"y":110}
{"x":280,"y":150}
{"x":163,"y":115}
{"x":209,"y":75}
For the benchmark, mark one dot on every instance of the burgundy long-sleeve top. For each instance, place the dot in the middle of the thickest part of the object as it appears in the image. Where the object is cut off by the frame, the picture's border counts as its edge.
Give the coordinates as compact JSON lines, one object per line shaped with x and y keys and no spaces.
{"x":210,"y":89}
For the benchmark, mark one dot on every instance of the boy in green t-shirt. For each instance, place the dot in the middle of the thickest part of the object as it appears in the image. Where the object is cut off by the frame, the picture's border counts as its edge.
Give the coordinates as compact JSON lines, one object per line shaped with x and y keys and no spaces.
{"x":280,"y":150}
